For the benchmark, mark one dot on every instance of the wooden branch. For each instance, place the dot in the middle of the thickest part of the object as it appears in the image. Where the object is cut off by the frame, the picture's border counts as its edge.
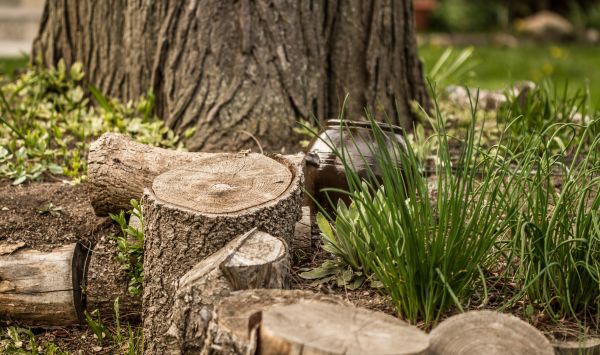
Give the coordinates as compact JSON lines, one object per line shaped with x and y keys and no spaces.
{"x":253,"y":260}
{"x":487,"y":332}
{"x":326,"y":329}
{"x":42,"y":288}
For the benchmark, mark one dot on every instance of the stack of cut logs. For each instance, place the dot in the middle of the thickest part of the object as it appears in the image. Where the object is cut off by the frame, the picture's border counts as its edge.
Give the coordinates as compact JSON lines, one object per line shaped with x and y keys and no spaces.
{"x":218,"y":232}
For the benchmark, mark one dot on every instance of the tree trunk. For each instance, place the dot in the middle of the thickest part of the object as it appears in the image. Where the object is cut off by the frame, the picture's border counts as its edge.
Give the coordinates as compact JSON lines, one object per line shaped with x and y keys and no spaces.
{"x":238,"y":70}
{"x":489,"y":332}
{"x":193,"y":211}
{"x":325,"y":329}
{"x":42,"y":289}
{"x":253,"y":260}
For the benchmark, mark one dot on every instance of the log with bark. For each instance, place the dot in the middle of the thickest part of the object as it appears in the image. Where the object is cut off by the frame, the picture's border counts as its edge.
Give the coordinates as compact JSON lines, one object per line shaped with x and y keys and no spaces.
{"x":326,"y":329}
{"x":42,"y":288}
{"x":119,"y":169}
{"x":235,"y":319}
{"x":253,"y":260}
{"x":487,"y":332}
{"x":195,"y":210}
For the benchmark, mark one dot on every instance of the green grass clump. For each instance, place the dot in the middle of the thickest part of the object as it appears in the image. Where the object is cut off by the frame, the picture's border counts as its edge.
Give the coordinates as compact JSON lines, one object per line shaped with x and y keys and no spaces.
{"x":427,"y":253}
{"x":559,"y":114}
{"x":556,"y":242}
{"x":521,"y":211}
{"x":121,"y":340}
{"x":47,"y":122}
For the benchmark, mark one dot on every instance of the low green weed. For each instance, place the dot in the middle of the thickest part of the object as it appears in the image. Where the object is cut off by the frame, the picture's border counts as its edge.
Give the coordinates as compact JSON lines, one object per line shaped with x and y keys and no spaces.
{"x":130,"y":246}
{"x":127,"y":341}
{"x":47,"y":122}
{"x":21,"y":341}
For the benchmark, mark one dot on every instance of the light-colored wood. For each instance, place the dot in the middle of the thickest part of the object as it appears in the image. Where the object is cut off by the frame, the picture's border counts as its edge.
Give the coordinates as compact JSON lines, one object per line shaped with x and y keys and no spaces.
{"x":42,"y":288}
{"x":119,"y":169}
{"x":221,"y":184}
{"x":326,"y":329}
{"x":586,"y":346}
{"x":236,"y":318}
{"x":178,"y":237}
{"x":253,"y":260}
{"x":487,"y":332}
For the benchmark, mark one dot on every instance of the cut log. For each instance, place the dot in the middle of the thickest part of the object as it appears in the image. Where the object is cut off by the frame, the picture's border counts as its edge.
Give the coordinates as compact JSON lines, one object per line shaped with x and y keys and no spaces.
{"x":106,"y":281}
{"x":326,"y":329}
{"x":253,"y":260}
{"x":236,"y":318}
{"x":487,"y":332}
{"x":42,"y":288}
{"x":119,"y":169}
{"x":193,"y":211}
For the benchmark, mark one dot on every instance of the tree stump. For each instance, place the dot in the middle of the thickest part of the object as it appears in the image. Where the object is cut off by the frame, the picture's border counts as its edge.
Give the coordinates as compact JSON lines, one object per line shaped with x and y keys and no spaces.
{"x":236,"y":318}
{"x":42,"y":288}
{"x":487,"y":332}
{"x":326,"y":329}
{"x":119,"y":169}
{"x":253,"y":260}
{"x":193,"y":211}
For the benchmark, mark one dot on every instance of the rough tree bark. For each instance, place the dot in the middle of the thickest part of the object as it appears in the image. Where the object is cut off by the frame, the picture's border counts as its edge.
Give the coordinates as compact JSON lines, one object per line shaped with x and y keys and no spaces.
{"x":237,"y":69}
{"x":193,"y":211}
{"x":253,"y":260}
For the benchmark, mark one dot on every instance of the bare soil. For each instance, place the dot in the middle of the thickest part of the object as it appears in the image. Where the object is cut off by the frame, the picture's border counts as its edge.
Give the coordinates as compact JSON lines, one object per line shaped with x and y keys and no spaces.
{"x":45,"y":215}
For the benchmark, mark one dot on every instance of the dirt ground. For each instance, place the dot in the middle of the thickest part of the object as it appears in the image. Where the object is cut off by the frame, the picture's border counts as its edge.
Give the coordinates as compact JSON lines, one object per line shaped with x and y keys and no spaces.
{"x":45,"y":215}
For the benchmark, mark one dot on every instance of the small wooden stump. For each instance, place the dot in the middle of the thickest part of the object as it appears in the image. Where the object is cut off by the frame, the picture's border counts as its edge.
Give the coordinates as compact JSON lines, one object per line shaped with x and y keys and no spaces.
{"x":193,"y":211}
{"x":235,"y":320}
{"x":254,"y":260}
{"x":487,"y":332}
{"x":42,"y":289}
{"x":318,"y":328}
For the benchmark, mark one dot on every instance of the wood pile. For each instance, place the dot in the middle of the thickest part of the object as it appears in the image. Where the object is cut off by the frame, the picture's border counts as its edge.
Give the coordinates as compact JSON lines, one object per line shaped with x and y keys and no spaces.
{"x":219,"y":230}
